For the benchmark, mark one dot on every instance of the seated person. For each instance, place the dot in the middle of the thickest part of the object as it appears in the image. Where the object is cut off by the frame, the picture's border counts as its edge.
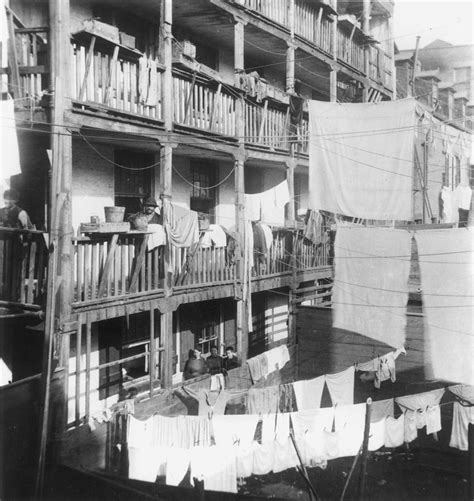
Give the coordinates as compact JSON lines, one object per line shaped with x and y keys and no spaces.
{"x":230,"y":361}
{"x":214,"y":362}
{"x":195,"y":365}
{"x":12,"y":215}
{"x":151,"y":212}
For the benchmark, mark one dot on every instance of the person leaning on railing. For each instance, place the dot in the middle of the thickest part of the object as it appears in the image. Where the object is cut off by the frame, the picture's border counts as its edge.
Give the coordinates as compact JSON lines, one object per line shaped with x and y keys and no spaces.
{"x":12,"y":215}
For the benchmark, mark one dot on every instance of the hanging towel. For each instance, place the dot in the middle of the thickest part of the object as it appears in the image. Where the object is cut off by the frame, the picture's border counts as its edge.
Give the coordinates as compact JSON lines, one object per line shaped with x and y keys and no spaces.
{"x":377,"y":435}
{"x":433,"y":419}
{"x":234,"y":430}
{"x":349,"y":423}
{"x":253,"y":207}
{"x":146,"y":463}
{"x":275,"y":427}
{"x":356,"y":169}
{"x":380,"y":409}
{"x":341,"y":387}
{"x":462,"y":416}
{"x":157,"y":236}
{"x":8,"y":141}
{"x":446,"y":258}
{"x":181,"y":225}
{"x":216,"y":466}
{"x":273,"y":203}
{"x":370,"y":291}
{"x":448,"y":205}
{"x":308,"y":393}
{"x":177,"y":465}
{"x":263,"y":400}
{"x":153,"y":90}
{"x":394,"y":431}
{"x":410,"y":429}
{"x":263,"y":458}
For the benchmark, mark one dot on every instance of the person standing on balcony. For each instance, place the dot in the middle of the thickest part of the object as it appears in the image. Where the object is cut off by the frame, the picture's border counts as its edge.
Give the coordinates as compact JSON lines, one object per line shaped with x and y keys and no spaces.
{"x":230,"y":361}
{"x":12,"y":215}
{"x":214,"y":361}
{"x":195,"y":365}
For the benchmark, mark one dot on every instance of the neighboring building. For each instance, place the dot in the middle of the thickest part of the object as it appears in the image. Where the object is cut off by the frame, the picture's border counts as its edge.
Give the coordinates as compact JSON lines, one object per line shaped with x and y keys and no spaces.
{"x":443,"y":153}
{"x":190,"y":101}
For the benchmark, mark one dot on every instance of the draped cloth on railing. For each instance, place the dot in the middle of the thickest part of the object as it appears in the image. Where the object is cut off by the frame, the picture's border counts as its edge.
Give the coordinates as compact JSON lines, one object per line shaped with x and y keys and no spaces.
{"x":370,"y":291}
{"x":446,"y":260}
{"x":361,"y":158}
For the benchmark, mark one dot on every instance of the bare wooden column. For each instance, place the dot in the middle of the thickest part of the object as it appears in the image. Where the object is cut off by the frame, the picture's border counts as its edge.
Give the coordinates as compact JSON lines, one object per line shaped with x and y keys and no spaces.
{"x":290,"y":178}
{"x":333,"y":72}
{"x":166,"y":336}
{"x":366,"y":30}
{"x":290,"y":51}
{"x":239,"y":64}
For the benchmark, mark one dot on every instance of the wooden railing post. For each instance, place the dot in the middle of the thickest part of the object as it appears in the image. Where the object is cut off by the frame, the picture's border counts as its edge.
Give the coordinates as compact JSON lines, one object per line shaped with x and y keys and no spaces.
{"x":239,"y":63}
{"x":366,"y":30}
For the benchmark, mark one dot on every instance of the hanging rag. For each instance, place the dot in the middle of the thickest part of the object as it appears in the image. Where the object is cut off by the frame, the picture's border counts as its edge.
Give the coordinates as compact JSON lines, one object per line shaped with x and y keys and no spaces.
{"x":308,"y":393}
{"x":377,"y":435}
{"x":349,"y":423}
{"x":370,"y":291}
{"x":341,"y":387}
{"x":177,"y":465}
{"x":146,"y":463}
{"x":383,"y":367}
{"x":8,"y":141}
{"x":216,"y":466}
{"x":287,"y":398}
{"x":394,"y":431}
{"x":462,"y":416}
{"x":314,"y":228}
{"x":156,"y":237}
{"x":275,"y":427}
{"x":263,"y":400}
{"x":356,"y":171}
{"x":380,"y":409}
{"x":234,"y":430}
{"x":446,"y":258}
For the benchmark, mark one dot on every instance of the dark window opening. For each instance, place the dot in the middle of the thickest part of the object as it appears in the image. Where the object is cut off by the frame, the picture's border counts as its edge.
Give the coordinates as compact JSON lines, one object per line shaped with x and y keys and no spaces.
{"x":203,"y":196}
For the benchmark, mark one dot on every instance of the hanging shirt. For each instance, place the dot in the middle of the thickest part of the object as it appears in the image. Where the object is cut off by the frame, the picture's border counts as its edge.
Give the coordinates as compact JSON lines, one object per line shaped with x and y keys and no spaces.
{"x":433,"y":419}
{"x":394,"y":431}
{"x":383,"y":367}
{"x":341,"y":387}
{"x":210,"y":402}
{"x":308,"y":393}
{"x":462,"y":416}
{"x":234,"y":430}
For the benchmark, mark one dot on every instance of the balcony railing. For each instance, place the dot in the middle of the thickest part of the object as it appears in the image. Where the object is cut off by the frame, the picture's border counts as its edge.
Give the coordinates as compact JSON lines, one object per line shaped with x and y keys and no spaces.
{"x":266,"y":126}
{"x":380,"y":66}
{"x":349,"y":50}
{"x":204,"y":106}
{"x":276,"y":10}
{"x":313,"y":25}
{"x":23,"y":264}
{"x":112,"y":78}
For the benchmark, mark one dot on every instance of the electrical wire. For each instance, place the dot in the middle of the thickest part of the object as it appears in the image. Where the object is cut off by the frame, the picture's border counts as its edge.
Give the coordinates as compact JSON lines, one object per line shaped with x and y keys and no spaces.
{"x":204,"y":187}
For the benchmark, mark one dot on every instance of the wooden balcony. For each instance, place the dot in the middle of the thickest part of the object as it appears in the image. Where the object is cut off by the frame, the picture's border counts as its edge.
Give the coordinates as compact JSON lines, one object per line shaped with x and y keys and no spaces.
{"x":23,"y":265}
{"x":267,"y":126}
{"x":380,"y":67}
{"x":312,"y":24}
{"x":349,"y":50}
{"x":109,"y":75}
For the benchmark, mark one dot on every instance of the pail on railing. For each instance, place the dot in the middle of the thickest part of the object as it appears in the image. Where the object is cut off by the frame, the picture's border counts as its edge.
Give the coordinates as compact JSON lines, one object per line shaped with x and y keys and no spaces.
{"x":114,"y":214}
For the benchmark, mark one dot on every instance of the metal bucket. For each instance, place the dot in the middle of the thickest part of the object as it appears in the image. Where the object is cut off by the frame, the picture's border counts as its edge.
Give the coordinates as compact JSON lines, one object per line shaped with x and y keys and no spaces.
{"x":114,"y":214}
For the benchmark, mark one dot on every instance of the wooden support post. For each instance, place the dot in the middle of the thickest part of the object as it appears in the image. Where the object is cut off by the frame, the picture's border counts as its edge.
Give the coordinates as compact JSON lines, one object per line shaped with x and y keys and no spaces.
{"x":470,"y":441}
{"x":166,"y":335}
{"x":88,"y":366}
{"x":290,"y":178}
{"x":242,"y":329}
{"x":15,"y":83}
{"x":366,"y":30}
{"x":152,"y":360}
{"x":365,"y":450}
{"x":334,"y":48}
{"x":290,"y":68}
{"x":239,"y":65}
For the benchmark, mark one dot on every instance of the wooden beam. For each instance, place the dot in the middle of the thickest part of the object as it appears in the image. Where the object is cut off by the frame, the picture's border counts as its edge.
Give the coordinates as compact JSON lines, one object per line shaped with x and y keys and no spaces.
{"x":139,"y":263}
{"x":111,"y":69}
{"x":89,"y":60}
{"x":104,"y":279}
{"x":88,"y":367}
{"x":166,"y":336}
{"x":152,"y":361}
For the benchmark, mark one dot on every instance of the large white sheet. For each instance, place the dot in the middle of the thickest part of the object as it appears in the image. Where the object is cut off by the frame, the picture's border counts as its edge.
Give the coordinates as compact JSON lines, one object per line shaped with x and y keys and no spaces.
{"x":361,"y":158}
{"x":371,"y":282}
{"x":446,"y":266}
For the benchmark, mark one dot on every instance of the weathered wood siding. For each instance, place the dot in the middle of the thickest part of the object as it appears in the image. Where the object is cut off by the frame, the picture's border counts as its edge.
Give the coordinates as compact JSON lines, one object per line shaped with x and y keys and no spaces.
{"x":323,"y":349}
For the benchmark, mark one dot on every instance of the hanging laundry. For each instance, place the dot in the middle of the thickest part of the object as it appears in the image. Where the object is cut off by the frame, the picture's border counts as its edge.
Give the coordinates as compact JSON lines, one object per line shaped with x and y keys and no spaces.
{"x":464,"y":392}
{"x":234,"y":430}
{"x":217,"y":382}
{"x":153,"y":96}
{"x":446,"y":258}
{"x":410,"y":429}
{"x":309,"y":392}
{"x":377,"y":435}
{"x":275,"y":427}
{"x":244,"y":459}
{"x":216,"y":466}
{"x":259,"y":245}
{"x":263,"y":458}
{"x":349,"y":423}
{"x":181,"y":225}
{"x":177,"y":465}
{"x":268,"y":235}
{"x":277,"y":358}
{"x":462,"y":416}
{"x":448,"y":206}
{"x":258,"y":367}
{"x":380,"y":409}
{"x":341,"y":387}
{"x":263,"y":400}
{"x":394,"y":431}
{"x":146,"y":463}
{"x":420,"y":400}
{"x":384,"y":367}
{"x":273,"y":202}
{"x":253,"y":207}
{"x":332,"y":442}
{"x":284,"y":455}
{"x":287,"y":398}
{"x":210,"y":402}
{"x":433,"y":419}
{"x":370,"y":291}
{"x":355,"y":170}
{"x":314,"y":228}
{"x":463,"y":196}
{"x":214,"y":237}
{"x":8,"y":141}
{"x":156,"y":237}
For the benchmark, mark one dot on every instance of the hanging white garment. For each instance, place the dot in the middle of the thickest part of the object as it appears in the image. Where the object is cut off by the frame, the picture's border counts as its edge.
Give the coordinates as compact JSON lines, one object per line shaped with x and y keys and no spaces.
{"x":341,"y":387}
{"x":8,"y":142}
{"x":370,"y":291}
{"x":446,"y":258}
{"x":361,"y":158}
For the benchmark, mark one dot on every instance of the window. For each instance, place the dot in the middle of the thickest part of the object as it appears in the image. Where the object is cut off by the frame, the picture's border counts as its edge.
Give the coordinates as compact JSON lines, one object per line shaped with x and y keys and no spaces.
{"x":462,"y":75}
{"x":132,"y":181}
{"x":209,"y":56}
{"x":203,"y":198}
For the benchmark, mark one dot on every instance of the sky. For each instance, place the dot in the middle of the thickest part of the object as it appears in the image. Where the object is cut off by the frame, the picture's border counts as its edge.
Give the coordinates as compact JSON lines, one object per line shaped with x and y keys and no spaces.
{"x":449,"y":20}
